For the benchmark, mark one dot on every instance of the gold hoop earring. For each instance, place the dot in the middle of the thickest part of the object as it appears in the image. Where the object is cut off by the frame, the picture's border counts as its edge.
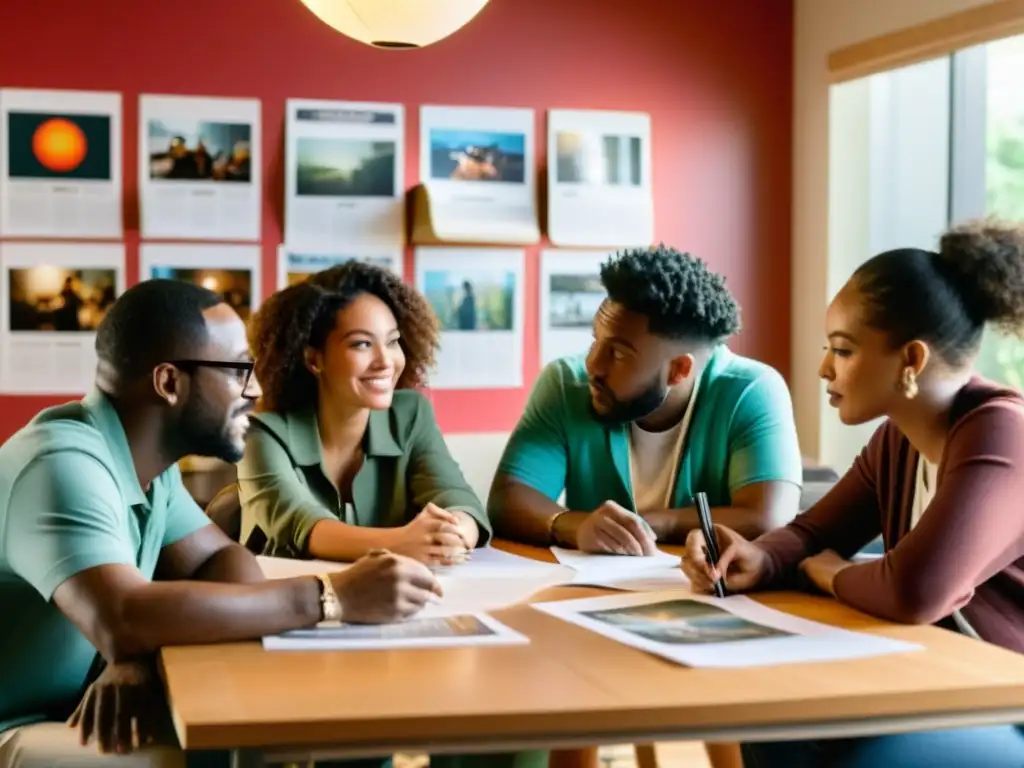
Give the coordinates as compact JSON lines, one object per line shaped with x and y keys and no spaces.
{"x":909,"y":383}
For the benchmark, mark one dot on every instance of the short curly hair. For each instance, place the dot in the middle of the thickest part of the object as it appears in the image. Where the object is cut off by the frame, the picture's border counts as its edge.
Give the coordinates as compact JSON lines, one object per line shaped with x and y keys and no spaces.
{"x":303,"y":315}
{"x":681,"y":298}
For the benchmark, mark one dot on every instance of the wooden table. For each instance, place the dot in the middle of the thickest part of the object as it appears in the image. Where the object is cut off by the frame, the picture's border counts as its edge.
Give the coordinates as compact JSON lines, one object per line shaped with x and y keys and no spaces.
{"x":570,"y":687}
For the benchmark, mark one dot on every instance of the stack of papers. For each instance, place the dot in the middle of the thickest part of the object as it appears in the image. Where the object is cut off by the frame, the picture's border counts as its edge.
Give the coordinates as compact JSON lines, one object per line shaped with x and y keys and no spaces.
{"x":701,"y":631}
{"x":633,"y":574}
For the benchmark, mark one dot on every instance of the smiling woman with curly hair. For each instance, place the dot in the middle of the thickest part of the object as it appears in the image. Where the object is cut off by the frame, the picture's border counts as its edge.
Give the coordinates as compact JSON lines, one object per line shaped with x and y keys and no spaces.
{"x":303,"y":315}
{"x":345,"y":455}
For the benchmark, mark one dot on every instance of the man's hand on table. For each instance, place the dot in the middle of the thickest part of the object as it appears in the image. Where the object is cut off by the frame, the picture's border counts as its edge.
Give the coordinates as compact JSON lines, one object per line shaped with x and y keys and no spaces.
{"x":613,"y":529}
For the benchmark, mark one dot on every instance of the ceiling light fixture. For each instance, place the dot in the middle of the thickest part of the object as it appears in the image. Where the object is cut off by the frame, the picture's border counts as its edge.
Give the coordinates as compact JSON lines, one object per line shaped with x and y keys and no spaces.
{"x":397,"y":24}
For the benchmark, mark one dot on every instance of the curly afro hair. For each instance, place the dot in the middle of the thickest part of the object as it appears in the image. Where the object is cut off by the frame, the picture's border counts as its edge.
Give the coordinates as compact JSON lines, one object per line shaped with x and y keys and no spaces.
{"x":304,"y":314}
{"x":681,"y":298}
{"x":946,"y":298}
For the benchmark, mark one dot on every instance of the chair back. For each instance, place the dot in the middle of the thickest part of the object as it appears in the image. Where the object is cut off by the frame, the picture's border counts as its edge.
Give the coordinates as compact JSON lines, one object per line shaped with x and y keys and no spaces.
{"x":817,"y":482}
{"x":225,"y":511}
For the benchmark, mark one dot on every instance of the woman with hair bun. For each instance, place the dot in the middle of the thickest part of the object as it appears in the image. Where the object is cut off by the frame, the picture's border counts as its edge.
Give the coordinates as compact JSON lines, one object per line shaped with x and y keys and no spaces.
{"x":942,"y":479}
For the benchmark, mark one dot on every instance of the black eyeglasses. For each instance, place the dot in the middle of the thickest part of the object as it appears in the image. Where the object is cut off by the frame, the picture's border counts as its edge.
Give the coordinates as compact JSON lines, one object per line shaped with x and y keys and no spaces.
{"x":243,"y":369}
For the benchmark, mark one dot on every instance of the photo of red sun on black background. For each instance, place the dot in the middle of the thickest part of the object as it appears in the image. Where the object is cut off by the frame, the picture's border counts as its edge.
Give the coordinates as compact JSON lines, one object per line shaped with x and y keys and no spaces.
{"x":53,"y":146}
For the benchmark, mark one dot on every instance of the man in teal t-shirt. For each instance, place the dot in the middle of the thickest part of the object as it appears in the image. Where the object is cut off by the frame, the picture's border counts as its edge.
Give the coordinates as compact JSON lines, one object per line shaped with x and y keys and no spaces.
{"x":658,"y":410}
{"x":105,"y":558}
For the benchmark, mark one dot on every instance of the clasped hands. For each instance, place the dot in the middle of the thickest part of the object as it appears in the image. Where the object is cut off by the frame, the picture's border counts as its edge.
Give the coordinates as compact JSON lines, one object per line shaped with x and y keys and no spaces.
{"x":435,"y":536}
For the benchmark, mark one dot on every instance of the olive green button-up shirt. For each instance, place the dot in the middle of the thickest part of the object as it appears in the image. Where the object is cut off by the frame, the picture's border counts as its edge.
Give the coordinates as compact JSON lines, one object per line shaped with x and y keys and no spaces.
{"x":285,"y":491}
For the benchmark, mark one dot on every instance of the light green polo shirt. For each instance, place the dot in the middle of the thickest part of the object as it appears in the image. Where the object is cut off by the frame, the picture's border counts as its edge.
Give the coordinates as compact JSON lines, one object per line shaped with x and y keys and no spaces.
{"x":742,"y":431}
{"x":69,"y":501}
{"x":285,"y":490}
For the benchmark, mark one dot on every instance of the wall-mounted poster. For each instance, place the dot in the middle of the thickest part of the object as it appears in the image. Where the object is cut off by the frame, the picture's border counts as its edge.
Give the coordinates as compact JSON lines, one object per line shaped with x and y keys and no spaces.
{"x":52,"y":299}
{"x":599,"y":178}
{"x":295,"y":265}
{"x":344,"y":174}
{"x":200,"y":168}
{"x":233,"y":271}
{"x":477,"y":295}
{"x":60,"y":164}
{"x":477,"y":167}
{"x":570,"y":294}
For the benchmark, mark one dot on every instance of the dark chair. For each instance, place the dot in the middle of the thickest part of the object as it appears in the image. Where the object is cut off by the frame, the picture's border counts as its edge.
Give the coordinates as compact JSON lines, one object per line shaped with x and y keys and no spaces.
{"x":225,"y":511}
{"x":817,"y":482}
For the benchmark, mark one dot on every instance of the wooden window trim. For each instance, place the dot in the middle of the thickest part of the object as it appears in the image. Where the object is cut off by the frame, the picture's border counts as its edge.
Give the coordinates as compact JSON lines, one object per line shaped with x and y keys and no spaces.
{"x":929,"y":40}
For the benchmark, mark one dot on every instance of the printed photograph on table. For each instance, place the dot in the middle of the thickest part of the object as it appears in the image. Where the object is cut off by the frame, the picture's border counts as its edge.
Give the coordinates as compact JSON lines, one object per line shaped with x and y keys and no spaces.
{"x":53,"y":297}
{"x":703,"y":631}
{"x":479,"y":181}
{"x":344,"y":174}
{"x":432,"y":632}
{"x":295,"y":266}
{"x":600,"y":191}
{"x":191,"y":150}
{"x":454,"y":626}
{"x":477,"y":296}
{"x":477,"y":155}
{"x":680,"y":622}
{"x":472,"y":300}
{"x":60,"y":162}
{"x":199,"y":168}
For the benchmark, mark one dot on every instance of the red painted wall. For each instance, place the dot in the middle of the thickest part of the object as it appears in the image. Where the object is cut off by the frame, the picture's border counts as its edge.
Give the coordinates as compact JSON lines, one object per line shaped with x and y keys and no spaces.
{"x":715,"y":75}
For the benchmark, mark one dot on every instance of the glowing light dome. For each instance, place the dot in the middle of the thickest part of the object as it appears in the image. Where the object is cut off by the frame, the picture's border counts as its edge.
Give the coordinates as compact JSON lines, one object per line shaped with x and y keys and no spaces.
{"x":396,"y":23}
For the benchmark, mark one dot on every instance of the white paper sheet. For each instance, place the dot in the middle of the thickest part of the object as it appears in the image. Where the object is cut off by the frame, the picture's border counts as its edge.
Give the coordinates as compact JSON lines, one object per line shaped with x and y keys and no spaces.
{"x":441,"y":632}
{"x":570,"y":294}
{"x":701,"y":631}
{"x":200,"y":168}
{"x":610,"y":566}
{"x":344,"y":174}
{"x":599,"y":178}
{"x":230,"y":270}
{"x":52,"y":298}
{"x":60,"y":164}
{"x":490,"y":562}
{"x":490,"y":581}
{"x":294,"y":265}
{"x":465,"y":593}
{"x":477,"y":164}
{"x":286,"y":568}
{"x":655,"y":579}
{"x":482,"y":324}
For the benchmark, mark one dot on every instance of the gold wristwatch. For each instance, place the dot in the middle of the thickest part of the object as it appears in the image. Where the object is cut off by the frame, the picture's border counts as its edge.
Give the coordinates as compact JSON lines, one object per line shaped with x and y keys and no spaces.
{"x":330,"y":605}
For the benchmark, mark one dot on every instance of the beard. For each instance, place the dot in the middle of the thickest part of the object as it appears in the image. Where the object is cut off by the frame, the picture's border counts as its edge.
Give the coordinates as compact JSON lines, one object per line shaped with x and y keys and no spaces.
{"x":203,"y":431}
{"x":633,"y":409}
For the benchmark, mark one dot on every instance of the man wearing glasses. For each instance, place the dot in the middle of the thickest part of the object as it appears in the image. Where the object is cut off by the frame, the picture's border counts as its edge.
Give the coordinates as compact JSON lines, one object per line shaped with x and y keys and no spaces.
{"x":104,"y":557}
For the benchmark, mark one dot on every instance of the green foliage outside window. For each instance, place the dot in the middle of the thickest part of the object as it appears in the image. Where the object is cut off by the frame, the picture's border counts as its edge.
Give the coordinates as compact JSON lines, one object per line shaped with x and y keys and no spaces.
{"x":1002,"y":356}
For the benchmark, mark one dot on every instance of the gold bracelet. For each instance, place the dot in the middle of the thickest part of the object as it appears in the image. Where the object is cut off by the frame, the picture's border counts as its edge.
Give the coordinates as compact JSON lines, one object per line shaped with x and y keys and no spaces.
{"x":551,"y":528}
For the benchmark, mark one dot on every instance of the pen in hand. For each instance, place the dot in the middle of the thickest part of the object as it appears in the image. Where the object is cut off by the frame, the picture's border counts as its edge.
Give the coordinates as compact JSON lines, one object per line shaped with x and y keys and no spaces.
{"x":711,"y":552}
